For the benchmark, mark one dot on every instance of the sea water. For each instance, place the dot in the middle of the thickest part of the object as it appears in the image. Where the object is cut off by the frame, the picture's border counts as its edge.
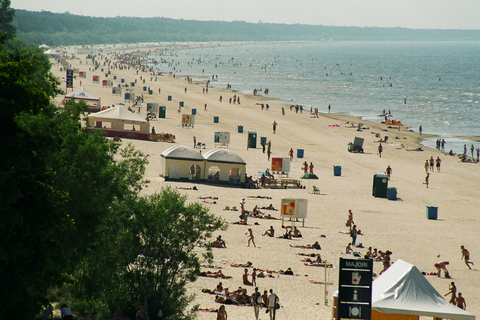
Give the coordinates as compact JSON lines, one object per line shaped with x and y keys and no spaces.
{"x":433,"y":84}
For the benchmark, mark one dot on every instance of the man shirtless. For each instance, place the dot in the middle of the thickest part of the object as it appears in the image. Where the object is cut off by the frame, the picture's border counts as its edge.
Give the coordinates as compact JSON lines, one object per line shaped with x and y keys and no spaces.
{"x":466,"y":256}
{"x":270,"y":232}
{"x":453,"y":291}
{"x":461,"y":302}
{"x":442,"y":266}
{"x":245,"y":278}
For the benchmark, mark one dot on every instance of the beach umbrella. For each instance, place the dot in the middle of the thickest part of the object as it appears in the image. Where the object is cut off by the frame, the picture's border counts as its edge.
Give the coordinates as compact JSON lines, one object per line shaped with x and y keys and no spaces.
{"x":309,"y":177}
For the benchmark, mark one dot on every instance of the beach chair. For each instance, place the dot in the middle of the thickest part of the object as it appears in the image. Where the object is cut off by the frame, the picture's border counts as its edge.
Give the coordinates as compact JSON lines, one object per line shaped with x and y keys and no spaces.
{"x":315,"y":190}
{"x":356,"y":145}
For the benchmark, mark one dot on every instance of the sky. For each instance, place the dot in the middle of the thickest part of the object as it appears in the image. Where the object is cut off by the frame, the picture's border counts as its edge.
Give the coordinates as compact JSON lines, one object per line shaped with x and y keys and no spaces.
{"x":414,"y":14}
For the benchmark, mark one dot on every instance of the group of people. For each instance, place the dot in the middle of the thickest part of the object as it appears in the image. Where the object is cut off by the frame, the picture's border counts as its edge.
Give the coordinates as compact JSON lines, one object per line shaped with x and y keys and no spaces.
{"x":308,"y":168}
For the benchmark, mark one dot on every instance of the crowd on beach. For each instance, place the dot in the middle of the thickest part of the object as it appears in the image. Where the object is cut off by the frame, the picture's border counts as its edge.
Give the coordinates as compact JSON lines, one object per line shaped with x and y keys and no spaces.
{"x":248,"y":292}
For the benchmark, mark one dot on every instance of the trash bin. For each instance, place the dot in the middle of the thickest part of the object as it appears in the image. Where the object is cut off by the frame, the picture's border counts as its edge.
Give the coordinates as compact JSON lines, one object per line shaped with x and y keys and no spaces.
{"x":337,"y":171}
{"x":162,"y":112}
{"x":263,"y":140}
{"x":240,"y":129}
{"x":122,"y":80}
{"x":132,"y":84}
{"x":194,"y":111}
{"x":252,"y":139}
{"x":145,"y":88}
{"x":392,"y":193}
{"x":380,"y":185}
{"x":150,"y":91}
{"x":215,"y":119}
{"x":181,"y":103}
{"x":169,"y":98}
{"x":299,"y":153}
{"x":114,"y":77}
{"x":432,"y":213}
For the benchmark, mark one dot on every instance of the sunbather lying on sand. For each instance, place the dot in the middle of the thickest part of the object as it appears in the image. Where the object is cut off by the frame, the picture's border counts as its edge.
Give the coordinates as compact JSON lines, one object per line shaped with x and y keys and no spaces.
{"x":316,"y":245}
{"x":260,"y":197}
{"x":217,"y":274}
{"x":242,"y":265}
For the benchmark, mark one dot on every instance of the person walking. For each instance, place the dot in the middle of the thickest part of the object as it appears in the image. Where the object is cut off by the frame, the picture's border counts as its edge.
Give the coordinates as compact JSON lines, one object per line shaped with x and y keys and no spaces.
{"x":272,"y":304}
{"x":380,"y":150}
{"x":256,"y":300}
{"x":274,"y":126}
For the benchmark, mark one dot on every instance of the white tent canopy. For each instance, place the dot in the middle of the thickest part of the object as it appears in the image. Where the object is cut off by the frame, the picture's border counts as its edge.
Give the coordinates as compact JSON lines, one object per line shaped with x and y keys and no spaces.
{"x":403,"y":289}
{"x":223,"y":156}
{"x":182,"y":152}
{"x":118,"y":113}
{"x":94,"y":103}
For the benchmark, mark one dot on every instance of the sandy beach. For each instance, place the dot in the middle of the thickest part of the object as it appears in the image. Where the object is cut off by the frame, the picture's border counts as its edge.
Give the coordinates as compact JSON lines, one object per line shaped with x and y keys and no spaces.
{"x":400,"y":226}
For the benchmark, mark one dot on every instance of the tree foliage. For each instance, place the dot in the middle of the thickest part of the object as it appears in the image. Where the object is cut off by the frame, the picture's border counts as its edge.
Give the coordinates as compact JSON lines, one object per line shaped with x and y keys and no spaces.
{"x":57,"y":182}
{"x":66,"y":29}
{"x":158,"y":242}
{"x":7,"y":29}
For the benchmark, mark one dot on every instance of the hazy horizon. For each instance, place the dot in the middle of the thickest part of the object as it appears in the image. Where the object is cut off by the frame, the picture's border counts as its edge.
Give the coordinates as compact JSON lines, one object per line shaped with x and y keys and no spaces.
{"x":412,"y":14}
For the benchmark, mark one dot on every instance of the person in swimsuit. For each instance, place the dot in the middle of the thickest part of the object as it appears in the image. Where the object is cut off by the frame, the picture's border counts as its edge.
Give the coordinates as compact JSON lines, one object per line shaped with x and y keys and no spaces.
{"x":453,"y":291}
{"x":461,"y":302}
{"x":466,"y":256}
{"x":222,"y":313}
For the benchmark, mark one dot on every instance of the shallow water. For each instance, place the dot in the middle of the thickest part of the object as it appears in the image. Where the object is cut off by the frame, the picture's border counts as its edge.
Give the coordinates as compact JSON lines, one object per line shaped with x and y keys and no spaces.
{"x":433,"y":84}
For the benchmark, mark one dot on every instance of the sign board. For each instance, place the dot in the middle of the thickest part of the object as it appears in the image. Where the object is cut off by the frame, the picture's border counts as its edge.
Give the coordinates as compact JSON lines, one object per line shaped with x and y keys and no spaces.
{"x":355,"y":289}
{"x":188,"y":119}
{"x":69,"y":78}
{"x":222,"y":137}
{"x":280,"y":164}
{"x":293,"y":208}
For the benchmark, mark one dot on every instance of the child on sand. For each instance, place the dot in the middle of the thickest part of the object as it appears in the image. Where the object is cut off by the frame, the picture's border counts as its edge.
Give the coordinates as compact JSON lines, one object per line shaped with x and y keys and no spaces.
{"x":251,"y":238}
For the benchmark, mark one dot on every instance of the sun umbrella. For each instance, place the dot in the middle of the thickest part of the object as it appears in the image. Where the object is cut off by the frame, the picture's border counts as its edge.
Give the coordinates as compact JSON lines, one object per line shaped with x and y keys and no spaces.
{"x":309,"y":177}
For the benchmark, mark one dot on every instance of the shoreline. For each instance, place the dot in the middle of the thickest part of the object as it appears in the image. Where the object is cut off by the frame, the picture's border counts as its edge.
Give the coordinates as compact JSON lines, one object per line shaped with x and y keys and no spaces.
{"x":399,"y":226}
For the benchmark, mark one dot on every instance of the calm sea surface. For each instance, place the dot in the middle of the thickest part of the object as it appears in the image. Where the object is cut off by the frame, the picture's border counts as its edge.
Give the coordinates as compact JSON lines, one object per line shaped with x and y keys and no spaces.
{"x":433,"y":84}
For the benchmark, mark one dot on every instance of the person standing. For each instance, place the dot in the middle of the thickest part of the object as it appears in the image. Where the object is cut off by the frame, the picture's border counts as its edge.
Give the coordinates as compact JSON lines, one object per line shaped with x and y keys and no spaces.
{"x":272,"y":304}
{"x":256,"y":300}
{"x":466,"y":257}
{"x":329,"y":107}
{"x":274,"y":126}
{"x":311,"y":168}
{"x":263,"y":143}
{"x":426,"y":165}
{"x":305,"y":167}
{"x":460,"y":300}
{"x":380,"y":150}
{"x":353,"y":234}
{"x":290,"y":153}
{"x":420,"y":129}
{"x":388,"y":171}
{"x":432,"y":162}
{"x":438,"y":162}
{"x":453,"y":291}
{"x":222,"y":313}
{"x":194,"y":142}
{"x":427,"y":179}
{"x":66,"y":313}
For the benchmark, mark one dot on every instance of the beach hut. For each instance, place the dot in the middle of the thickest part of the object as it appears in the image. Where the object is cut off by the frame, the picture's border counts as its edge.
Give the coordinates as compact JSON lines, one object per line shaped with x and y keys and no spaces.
{"x":402,"y":293}
{"x":182,"y":163}
{"x":224,"y":166}
{"x":119,"y":122}
{"x":94,"y":103}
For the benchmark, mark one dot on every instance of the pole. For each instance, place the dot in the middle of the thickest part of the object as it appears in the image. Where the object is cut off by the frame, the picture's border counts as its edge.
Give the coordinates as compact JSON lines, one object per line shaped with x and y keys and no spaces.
{"x":325,"y":283}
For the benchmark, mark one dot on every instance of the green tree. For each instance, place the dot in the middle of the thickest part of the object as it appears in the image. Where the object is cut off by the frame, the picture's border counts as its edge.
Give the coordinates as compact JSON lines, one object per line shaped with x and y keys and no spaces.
{"x":158,"y":242}
{"x":7,"y":29}
{"x":58,"y":182}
